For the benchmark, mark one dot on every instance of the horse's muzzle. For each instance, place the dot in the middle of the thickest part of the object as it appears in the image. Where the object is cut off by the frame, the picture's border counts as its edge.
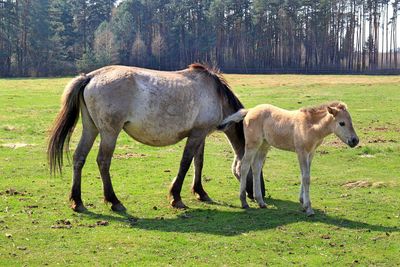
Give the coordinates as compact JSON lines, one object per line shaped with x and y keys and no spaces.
{"x":353,"y":141}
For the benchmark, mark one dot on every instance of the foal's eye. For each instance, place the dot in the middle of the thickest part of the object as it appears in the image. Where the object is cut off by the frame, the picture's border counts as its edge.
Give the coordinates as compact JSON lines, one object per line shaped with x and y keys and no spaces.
{"x":342,"y":123}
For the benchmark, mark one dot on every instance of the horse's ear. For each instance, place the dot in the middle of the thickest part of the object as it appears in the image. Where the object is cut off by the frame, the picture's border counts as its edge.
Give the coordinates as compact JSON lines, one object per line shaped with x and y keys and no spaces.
{"x":333,"y":110}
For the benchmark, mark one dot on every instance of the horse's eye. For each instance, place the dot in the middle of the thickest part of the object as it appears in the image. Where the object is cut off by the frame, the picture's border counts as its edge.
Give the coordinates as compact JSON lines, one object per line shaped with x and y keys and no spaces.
{"x":342,"y":123}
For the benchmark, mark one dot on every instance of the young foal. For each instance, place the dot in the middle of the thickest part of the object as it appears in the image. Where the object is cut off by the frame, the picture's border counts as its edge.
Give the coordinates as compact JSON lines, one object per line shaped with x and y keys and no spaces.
{"x":300,"y":131}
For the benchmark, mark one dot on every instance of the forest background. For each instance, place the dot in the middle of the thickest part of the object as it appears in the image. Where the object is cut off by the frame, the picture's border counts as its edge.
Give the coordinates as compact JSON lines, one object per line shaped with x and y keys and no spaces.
{"x":63,"y":37}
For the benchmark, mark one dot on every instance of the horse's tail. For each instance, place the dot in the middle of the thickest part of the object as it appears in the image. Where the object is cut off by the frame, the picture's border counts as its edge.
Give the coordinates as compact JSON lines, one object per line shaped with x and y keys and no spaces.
{"x":234,"y":118}
{"x":65,"y":122}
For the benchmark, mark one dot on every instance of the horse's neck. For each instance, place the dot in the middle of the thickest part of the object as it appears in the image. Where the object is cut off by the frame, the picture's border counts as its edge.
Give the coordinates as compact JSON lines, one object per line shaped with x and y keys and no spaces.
{"x":322,"y":127}
{"x":236,"y":138}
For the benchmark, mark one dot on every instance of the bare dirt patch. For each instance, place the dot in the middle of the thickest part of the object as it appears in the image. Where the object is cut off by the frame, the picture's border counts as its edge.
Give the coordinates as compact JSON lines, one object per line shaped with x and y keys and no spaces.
{"x":62,"y":224}
{"x":364,"y":184}
{"x":14,"y":192}
{"x":381,"y":141}
{"x":129,"y":155}
{"x":15,"y":145}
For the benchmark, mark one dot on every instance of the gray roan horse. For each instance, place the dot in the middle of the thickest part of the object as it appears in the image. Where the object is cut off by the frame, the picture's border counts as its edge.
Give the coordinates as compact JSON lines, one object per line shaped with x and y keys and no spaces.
{"x":155,"y":108}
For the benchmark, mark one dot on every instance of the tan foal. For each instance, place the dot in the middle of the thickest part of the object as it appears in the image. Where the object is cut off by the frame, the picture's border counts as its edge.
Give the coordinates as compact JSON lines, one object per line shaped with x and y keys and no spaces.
{"x":300,"y":131}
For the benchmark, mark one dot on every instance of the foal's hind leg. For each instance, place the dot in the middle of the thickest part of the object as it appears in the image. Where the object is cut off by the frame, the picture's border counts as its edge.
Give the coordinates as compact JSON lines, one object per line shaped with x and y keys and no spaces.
{"x":256,"y":166}
{"x":197,"y":187}
{"x":247,"y":161}
{"x":106,"y":150}
{"x":89,"y":134}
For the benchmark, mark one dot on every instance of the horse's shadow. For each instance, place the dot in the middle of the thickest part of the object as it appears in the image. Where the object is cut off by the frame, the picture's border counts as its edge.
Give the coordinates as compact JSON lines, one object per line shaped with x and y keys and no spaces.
{"x":231,"y":223}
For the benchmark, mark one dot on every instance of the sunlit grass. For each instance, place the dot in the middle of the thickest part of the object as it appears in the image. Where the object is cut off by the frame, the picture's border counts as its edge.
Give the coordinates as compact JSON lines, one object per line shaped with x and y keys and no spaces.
{"x":352,"y":224}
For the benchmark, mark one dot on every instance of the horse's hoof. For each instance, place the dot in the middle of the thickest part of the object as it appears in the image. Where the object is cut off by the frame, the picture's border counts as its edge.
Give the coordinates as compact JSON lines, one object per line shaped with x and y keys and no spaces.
{"x":178,"y":204}
{"x":263,"y":206}
{"x":245,"y":206}
{"x":78,"y":208}
{"x":310,"y":213}
{"x":205,"y":198}
{"x":118,"y":207}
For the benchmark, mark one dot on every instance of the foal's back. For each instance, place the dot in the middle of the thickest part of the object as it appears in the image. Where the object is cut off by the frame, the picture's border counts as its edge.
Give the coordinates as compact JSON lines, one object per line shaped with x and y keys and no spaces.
{"x":272,"y":125}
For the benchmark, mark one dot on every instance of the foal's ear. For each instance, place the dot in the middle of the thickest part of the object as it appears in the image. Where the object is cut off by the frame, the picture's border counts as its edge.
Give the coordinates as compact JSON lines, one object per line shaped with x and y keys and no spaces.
{"x":333,"y":110}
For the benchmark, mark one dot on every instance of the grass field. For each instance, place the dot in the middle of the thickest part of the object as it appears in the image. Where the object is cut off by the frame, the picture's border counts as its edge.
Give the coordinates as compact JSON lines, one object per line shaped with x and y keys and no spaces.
{"x":355,"y":223}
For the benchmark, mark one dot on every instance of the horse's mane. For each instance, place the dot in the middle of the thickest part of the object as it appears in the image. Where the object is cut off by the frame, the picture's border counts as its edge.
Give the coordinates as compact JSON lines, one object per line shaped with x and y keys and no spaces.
{"x":323,"y":108}
{"x":224,"y":91}
{"x":222,"y":87}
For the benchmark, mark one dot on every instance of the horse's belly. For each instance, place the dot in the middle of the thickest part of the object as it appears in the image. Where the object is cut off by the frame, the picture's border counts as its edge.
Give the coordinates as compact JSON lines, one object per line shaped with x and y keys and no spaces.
{"x":154,"y":136}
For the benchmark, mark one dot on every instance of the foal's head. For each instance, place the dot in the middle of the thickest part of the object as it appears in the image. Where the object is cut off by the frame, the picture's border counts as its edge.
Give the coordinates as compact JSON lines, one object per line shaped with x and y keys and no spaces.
{"x":342,"y":124}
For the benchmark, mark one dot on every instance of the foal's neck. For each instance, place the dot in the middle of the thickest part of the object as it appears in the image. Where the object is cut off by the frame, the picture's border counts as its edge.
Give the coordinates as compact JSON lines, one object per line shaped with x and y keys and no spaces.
{"x":322,"y":126}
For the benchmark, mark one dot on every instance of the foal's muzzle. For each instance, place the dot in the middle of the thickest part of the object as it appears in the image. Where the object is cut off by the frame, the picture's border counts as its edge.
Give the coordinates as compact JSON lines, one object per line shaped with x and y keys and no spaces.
{"x":353,"y":141}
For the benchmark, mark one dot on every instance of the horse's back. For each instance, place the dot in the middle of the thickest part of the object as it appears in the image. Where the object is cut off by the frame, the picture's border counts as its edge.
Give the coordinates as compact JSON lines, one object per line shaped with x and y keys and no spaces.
{"x":154,"y":107}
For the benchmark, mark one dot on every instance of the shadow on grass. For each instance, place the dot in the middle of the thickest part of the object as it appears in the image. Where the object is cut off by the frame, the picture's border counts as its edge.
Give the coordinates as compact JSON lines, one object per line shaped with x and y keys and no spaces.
{"x":231,"y":223}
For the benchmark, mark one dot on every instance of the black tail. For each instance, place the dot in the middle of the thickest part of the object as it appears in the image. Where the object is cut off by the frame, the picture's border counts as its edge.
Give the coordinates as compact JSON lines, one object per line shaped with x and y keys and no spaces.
{"x":65,"y":122}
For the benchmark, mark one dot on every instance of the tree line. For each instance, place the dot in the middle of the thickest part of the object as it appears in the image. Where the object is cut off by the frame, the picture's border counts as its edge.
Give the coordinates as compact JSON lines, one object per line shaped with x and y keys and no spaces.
{"x":60,"y":37}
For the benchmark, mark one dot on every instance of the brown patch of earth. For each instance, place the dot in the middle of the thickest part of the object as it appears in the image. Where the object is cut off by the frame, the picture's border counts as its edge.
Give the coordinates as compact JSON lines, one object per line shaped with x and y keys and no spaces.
{"x":129,"y":155}
{"x":364,"y":184}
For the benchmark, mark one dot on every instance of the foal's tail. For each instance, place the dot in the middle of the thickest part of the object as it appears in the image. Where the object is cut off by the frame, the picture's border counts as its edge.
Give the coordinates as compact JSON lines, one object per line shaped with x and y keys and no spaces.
{"x":234,"y":118}
{"x":65,"y":122}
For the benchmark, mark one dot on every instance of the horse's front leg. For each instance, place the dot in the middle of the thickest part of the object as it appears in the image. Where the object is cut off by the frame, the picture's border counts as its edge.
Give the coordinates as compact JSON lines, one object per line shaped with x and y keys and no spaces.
{"x":197,"y":187}
{"x":305,"y":164}
{"x":192,"y":145}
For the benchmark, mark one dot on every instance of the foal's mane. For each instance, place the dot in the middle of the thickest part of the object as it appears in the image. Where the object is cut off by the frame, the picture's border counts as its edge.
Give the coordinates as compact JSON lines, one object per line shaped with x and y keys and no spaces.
{"x":323,"y":108}
{"x":222,"y":86}
{"x":316,"y":113}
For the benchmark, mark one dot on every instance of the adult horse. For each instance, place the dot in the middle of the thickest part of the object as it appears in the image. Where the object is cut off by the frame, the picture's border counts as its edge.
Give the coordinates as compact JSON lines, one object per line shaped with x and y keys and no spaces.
{"x":156,"y":108}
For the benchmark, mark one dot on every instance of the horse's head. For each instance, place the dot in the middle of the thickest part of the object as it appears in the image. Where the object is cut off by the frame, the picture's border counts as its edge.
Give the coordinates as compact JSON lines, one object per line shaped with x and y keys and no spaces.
{"x":342,"y":125}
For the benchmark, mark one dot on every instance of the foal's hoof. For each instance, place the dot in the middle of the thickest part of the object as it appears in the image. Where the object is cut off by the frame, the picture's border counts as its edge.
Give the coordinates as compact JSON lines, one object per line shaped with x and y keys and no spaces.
{"x":118,"y":207}
{"x":78,"y":208}
{"x":178,"y":204}
{"x":245,"y":206}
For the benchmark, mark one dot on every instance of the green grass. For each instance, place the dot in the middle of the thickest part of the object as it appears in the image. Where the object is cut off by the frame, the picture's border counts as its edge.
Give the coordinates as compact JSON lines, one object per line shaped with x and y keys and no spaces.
{"x":352,"y":225}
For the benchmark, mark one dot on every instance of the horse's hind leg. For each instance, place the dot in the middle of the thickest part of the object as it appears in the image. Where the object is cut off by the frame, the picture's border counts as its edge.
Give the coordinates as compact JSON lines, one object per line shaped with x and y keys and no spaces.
{"x":192,"y":145}
{"x":106,"y":150}
{"x":197,"y":187}
{"x":89,"y":134}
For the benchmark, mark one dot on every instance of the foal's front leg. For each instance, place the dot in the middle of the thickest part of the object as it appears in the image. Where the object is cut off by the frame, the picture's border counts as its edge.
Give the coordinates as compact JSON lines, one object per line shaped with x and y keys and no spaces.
{"x":305,"y":164}
{"x":301,"y":195}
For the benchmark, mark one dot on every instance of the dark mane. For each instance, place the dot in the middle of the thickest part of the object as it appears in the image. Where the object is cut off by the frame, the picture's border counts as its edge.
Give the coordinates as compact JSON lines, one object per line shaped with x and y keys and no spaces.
{"x":222,"y":87}
{"x":323,"y":107}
